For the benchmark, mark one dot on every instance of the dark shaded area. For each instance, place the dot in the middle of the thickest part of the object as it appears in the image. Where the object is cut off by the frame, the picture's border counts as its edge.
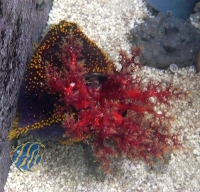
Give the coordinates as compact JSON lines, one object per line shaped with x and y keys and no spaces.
{"x":166,"y":39}
{"x":21,"y":24}
{"x":93,"y":168}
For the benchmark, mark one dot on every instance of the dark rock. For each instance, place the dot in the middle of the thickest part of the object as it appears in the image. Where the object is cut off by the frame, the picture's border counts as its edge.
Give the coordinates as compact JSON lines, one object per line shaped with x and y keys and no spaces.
{"x":21,"y":23}
{"x":197,"y":62}
{"x":166,"y":39}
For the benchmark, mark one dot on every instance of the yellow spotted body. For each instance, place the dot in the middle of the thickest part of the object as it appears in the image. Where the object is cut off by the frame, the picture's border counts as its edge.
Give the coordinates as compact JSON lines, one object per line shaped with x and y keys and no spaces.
{"x":95,"y":58}
{"x":37,"y":105}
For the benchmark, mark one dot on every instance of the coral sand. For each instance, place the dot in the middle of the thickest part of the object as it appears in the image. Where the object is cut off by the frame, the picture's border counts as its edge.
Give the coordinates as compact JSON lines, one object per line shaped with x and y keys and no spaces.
{"x":114,"y":112}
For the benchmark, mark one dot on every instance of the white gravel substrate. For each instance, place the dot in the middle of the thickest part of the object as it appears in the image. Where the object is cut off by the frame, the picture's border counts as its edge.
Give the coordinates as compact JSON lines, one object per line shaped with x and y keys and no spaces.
{"x":64,"y":168}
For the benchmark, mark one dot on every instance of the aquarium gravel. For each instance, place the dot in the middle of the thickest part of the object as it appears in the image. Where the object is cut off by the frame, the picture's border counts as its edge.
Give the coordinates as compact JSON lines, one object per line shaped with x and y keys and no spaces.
{"x":65,"y":168}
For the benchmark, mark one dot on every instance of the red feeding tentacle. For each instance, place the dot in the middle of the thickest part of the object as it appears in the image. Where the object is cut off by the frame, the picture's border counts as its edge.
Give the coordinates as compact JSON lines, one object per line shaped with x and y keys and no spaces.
{"x":116,"y":118}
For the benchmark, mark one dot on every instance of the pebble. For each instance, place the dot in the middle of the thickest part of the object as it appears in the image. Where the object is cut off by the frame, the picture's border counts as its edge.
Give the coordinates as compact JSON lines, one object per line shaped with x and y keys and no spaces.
{"x":173,"y":68}
{"x":196,"y":151}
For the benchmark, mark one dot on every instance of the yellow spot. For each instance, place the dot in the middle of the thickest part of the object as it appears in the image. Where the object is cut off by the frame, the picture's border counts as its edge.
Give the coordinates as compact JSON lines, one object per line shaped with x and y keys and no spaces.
{"x":69,"y":141}
{"x":16,"y":132}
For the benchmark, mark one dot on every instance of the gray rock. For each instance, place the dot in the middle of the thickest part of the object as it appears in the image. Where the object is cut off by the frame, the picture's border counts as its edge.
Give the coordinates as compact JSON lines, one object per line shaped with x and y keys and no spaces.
{"x":21,"y":24}
{"x":166,"y":39}
{"x":195,"y":19}
{"x":197,"y":8}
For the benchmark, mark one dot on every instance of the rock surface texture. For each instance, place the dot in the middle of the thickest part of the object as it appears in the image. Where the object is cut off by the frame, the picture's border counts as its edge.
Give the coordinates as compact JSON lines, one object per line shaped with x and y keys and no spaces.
{"x":21,"y":24}
{"x":166,"y":39}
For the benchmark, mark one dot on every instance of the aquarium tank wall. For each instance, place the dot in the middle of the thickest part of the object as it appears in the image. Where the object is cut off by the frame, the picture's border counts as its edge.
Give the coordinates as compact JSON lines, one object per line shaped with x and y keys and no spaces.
{"x":180,"y":8}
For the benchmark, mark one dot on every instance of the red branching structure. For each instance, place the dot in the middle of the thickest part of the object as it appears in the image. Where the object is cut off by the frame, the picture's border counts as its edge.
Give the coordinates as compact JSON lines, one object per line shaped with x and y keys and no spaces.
{"x":117,"y":116}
